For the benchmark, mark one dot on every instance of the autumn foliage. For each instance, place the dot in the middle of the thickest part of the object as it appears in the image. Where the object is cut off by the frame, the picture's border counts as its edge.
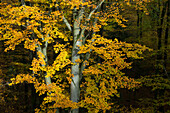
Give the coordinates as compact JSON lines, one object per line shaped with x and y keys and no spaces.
{"x":100,"y":60}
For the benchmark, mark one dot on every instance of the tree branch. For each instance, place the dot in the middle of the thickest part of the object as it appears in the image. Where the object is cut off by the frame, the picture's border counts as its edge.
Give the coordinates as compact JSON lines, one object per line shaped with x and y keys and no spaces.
{"x":64,"y":19}
{"x":87,"y":55}
{"x":67,"y":23}
{"x":95,"y":10}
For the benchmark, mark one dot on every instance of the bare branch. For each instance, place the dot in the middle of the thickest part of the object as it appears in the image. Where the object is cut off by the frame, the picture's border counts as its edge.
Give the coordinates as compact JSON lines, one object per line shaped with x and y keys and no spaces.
{"x":95,"y":9}
{"x":64,"y":19}
{"x":67,"y":23}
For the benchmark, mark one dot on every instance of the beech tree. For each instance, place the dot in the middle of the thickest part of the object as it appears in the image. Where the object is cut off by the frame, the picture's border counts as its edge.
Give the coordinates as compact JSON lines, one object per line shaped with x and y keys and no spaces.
{"x":93,"y":84}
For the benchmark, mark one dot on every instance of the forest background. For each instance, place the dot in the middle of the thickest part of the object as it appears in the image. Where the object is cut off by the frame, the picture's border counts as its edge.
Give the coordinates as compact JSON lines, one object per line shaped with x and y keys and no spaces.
{"x":31,"y":83}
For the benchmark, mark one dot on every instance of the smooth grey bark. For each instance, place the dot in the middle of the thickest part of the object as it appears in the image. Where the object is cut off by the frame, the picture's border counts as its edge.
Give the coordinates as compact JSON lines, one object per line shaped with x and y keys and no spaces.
{"x":42,"y":49}
{"x":75,"y":91}
{"x":87,"y":55}
{"x":64,"y":19}
{"x":77,"y":42}
{"x":39,"y":48}
{"x":23,"y":2}
{"x":78,"y":38}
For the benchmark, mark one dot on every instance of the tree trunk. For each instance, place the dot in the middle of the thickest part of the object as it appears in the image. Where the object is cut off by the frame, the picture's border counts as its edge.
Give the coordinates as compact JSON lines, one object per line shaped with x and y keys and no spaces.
{"x":75,"y":68}
{"x":138,"y":18}
{"x":166,"y":33}
{"x":139,"y":23}
{"x":78,"y":39}
{"x":159,"y":33}
{"x":160,"y":93}
{"x":141,"y":26}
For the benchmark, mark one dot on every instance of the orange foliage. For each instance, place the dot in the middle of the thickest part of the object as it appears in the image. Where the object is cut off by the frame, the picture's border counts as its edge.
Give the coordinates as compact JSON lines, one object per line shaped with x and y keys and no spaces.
{"x":34,"y":26}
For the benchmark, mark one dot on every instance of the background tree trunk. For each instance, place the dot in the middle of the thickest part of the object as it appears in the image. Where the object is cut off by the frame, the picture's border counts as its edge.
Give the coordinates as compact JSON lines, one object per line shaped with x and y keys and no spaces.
{"x":166,"y":33}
